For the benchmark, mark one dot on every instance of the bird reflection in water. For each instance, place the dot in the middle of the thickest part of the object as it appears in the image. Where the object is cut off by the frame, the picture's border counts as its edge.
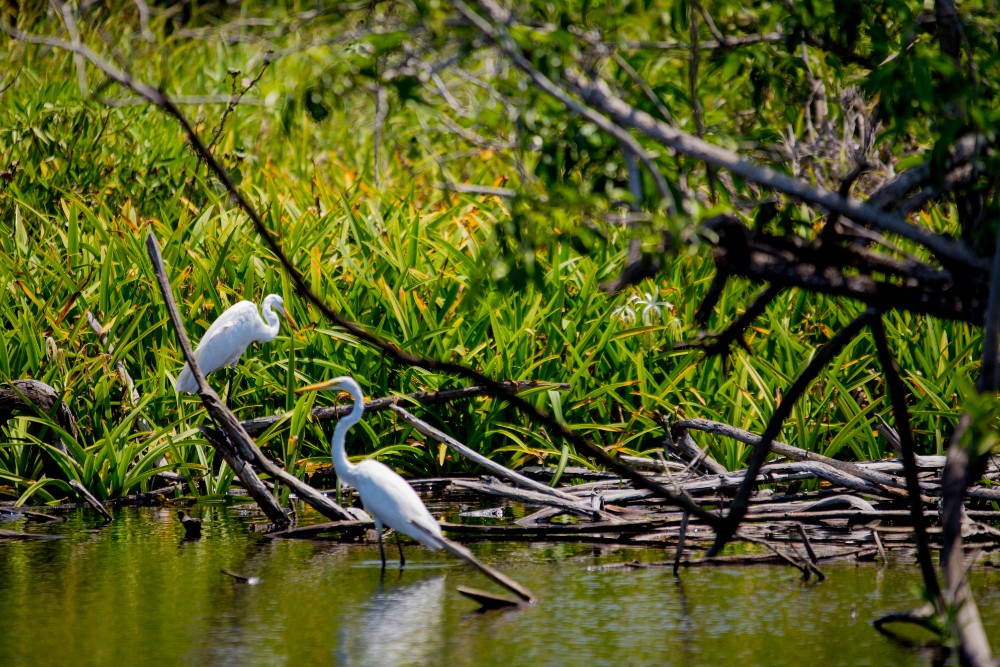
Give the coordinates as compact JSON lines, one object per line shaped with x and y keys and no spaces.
{"x":402,"y":624}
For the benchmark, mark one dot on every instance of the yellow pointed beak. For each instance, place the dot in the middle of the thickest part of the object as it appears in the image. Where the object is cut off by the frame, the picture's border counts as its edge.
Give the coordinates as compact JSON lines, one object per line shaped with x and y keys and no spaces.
{"x":291,"y":323}
{"x":319,"y":386}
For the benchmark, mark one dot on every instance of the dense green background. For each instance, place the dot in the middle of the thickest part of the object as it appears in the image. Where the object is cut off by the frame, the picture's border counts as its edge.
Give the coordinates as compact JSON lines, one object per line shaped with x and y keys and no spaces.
{"x":508,"y":286}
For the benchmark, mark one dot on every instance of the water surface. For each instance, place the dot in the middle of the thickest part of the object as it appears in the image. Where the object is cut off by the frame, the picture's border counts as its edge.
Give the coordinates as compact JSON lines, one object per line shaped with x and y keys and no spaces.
{"x":135,"y":593}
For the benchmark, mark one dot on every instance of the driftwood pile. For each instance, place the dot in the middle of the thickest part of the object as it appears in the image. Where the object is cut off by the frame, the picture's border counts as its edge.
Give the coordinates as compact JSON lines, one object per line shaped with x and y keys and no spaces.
{"x":806,"y":508}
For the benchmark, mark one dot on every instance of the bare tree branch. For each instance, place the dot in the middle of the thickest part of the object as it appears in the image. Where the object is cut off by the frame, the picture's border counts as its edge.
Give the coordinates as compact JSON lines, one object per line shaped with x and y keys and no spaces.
{"x":947,"y":249}
{"x":897,"y":396}
{"x":510,"y":49}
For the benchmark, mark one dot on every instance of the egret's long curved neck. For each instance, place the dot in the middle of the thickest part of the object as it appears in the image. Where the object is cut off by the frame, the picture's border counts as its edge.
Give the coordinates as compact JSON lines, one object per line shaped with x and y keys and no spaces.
{"x":345,"y":469}
{"x":270,"y":319}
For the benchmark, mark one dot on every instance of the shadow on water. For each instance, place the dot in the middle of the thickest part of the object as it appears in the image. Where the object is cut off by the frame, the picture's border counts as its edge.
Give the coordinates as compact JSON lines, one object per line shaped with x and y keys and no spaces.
{"x":136,"y":592}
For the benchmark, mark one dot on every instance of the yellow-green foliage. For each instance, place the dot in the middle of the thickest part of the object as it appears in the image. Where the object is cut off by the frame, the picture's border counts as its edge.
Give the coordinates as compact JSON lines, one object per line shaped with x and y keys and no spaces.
{"x":411,"y":262}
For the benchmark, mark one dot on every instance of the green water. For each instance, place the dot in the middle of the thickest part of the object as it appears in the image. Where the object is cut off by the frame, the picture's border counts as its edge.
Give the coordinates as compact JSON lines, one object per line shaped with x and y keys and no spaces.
{"x":135,"y":593}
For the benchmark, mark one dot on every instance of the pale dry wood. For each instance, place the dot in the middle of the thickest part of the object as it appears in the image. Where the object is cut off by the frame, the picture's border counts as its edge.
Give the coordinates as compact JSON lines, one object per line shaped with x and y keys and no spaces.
{"x":574,"y":506}
{"x":479,"y":459}
{"x":91,"y":500}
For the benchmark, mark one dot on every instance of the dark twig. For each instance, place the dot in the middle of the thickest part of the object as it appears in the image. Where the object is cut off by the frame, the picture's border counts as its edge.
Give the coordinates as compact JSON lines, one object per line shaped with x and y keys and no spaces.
{"x":680,"y":544}
{"x":822,"y":357}
{"x":722,"y":344}
{"x":922,"y":618}
{"x":234,"y":100}
{"x":708,"y":303}
{"x":807,"y":543}
{"x":91,"y":500}
{"x":898,"y":397}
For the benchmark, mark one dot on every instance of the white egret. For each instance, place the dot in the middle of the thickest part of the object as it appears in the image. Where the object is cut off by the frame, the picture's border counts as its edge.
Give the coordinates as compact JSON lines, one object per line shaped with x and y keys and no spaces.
{"x":230,"y":335}
{"x":387,"y":497}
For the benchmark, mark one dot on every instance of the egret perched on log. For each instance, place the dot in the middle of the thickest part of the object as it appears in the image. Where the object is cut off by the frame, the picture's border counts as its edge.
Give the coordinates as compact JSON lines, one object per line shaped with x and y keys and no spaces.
{"x":390,"y":499}
{"x":228,"y":337}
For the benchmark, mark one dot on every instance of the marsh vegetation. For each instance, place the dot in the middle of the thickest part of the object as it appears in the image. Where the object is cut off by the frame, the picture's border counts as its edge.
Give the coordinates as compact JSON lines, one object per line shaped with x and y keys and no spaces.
{"x":730,"y":259}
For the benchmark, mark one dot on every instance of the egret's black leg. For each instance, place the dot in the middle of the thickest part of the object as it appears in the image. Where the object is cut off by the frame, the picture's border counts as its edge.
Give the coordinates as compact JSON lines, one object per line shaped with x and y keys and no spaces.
{"x":381,"y":549}
{"x":229,"y":392}
{"x":402,"y":560}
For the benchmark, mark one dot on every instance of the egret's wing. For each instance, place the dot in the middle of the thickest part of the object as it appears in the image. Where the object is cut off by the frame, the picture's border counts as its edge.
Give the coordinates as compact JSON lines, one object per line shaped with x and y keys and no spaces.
{"x":389,"y":497}
{"x":228,"y":337}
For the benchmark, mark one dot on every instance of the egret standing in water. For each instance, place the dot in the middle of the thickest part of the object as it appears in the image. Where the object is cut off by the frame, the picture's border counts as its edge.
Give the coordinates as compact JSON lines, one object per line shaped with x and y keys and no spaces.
{"x":228,"y":337}
{"x":387,"y":497}
{"x":392,"y":502}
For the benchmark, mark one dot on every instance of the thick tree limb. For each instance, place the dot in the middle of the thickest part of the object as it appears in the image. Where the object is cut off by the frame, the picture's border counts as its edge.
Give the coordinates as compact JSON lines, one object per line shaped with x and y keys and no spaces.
{"x":879,"y":281}
{"x":33,"y":397}
{"x":238,"y":445}
{"x":963,"y":466}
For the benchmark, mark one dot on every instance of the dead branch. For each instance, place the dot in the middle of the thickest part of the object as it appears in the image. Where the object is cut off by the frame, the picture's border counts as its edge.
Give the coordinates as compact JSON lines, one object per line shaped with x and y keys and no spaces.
{"x":597,"y":93}
{"x":680,"y":442}
{"x":478,"y":458}
{"x":35,"y":398}
{"x":876,"y":280}
{"x":898,"y":396}
{"x":91,"y":500}
{"x":235,"y":98}
{"x":822,"y":357}
{"x":722,"y":344}
{"x":729,"y":42}
{"x":494,"y":488}
{"x":236,"y":447}
{"x":860,"y":471}
{"x":506,"y":44}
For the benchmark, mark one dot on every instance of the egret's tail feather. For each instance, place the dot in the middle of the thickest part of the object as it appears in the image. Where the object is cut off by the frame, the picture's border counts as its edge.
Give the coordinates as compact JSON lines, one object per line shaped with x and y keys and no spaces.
{"x":185,"y":381}
{"x":438,"y":542}
{"x":431,"y":539}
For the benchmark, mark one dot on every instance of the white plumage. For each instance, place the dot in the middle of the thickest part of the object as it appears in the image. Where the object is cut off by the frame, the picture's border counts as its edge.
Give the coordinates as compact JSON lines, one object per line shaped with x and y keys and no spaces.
{"x":387,"y":497}
{"x":230,"y":335}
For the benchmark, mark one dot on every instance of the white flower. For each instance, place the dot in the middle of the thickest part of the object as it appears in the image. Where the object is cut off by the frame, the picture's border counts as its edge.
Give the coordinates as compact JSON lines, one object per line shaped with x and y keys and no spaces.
{"x":625,"y":313}
{"x":648,"y":302}
{"x":652,"y":304}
